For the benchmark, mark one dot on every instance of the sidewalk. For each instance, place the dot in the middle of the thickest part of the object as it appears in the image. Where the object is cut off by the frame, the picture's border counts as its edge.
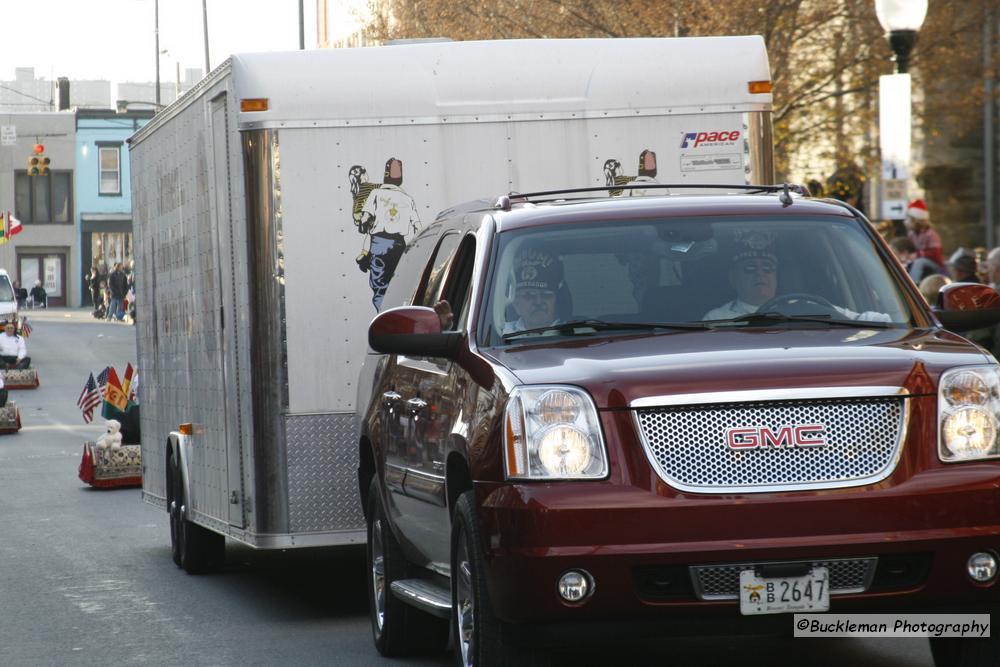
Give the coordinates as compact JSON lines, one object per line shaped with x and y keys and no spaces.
{"x":75,"y":315}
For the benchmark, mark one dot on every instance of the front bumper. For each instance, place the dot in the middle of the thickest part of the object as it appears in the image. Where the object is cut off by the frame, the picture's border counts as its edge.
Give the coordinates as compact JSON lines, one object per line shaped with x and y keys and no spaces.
{"x":922,"y":530}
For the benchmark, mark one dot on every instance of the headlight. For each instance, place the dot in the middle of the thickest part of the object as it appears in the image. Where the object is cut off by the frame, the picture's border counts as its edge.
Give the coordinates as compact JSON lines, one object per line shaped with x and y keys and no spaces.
{"x":552,"y":432}
{"x":968,"y":412}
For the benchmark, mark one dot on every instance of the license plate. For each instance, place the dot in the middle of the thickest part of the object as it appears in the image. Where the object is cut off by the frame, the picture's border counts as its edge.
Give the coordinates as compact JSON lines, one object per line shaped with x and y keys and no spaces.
{"x":782,"y":595}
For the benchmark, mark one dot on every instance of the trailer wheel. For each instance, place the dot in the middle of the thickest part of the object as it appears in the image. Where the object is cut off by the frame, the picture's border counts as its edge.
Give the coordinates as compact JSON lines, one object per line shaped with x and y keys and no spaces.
{"x":398,"y":629}
{"x":194,"y":548}
{"x":481,"y":639}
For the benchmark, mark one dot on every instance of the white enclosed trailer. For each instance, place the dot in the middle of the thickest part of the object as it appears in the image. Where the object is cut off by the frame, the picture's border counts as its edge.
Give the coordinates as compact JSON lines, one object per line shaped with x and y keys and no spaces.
{"x":273,"y":200}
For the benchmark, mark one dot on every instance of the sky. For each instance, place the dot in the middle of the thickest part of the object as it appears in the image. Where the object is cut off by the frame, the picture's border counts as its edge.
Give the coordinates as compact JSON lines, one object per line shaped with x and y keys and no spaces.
{"x":115,"y":39}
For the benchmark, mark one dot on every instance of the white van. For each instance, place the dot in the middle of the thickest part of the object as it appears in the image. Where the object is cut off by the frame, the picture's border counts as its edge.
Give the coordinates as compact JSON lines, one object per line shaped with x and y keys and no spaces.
{"x":8,"y":301}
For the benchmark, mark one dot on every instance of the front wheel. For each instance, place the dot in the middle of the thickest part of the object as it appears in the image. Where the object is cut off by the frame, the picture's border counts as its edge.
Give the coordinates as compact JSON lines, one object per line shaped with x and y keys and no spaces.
{"x":961,"y":652}
{"x":481,"y":640}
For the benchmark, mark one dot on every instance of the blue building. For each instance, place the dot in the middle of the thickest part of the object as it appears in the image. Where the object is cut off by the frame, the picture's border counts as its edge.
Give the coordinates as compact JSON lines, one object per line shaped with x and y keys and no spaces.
{"x":102,"y":189}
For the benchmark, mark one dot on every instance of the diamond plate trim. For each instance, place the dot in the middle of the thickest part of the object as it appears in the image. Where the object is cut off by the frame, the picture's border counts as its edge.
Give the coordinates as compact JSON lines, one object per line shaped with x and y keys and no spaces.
{"x":322,"y":473}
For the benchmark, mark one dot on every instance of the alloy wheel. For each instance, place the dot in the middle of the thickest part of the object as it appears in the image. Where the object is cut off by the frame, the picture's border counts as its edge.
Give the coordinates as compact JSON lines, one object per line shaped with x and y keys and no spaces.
{"x":378,"y":573}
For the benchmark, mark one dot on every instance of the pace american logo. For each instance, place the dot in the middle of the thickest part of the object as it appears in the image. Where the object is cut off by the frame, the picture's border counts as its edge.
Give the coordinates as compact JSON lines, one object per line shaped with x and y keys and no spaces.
{"x":704,"y":139}
{"x":751,"y":437}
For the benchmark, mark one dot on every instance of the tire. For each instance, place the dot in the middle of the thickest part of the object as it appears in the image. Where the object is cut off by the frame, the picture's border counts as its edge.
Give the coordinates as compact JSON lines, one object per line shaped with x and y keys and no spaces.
{"x":480,"y":639}
{"x":398,"y":629}
{"x":961,"y":652}
{"x":195,"y":549}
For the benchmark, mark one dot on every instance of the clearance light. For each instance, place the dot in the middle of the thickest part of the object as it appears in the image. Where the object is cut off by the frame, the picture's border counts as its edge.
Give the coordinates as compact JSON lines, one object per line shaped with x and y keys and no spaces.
{"x":254,"y":104}
{"x":186,"y":429}
{"x":759,"y":87}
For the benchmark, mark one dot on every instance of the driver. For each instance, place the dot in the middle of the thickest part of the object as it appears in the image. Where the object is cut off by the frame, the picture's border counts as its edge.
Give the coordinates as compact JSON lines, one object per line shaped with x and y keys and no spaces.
{"x":754,"y":276}
{"x":538,"y":277}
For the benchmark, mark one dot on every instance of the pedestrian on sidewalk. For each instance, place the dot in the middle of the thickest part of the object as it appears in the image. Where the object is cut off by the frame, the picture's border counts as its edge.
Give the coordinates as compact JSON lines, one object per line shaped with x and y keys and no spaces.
{"x":118,"y":287}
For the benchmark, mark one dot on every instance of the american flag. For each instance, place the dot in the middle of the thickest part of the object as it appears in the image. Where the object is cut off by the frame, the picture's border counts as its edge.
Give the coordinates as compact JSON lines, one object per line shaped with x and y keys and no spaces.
{"x":89,"y":399}
{"x":102,"y":379}
{"x":25,"y":327}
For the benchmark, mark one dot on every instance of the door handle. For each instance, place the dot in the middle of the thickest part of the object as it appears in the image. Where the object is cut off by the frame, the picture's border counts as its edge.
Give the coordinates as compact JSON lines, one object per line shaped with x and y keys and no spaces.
{"x":416,"y":405}
{"x":390,"y":398}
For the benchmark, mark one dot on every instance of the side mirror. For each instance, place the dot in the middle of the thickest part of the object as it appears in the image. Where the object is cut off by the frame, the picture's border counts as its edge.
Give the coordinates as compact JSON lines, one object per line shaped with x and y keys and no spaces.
{"x":966,"y":306}
{"x":414,"y":331}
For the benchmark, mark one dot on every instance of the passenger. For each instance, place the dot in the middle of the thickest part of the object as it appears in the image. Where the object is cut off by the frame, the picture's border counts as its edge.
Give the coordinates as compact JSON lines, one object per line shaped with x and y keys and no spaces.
{"x":754,"y":276}
{"x":538,"y":279}
{"x":13,"y":351}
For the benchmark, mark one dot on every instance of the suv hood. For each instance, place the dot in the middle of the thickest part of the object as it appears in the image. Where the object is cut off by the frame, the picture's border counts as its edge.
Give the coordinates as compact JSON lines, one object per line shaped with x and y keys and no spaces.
{"x":619,"y":369}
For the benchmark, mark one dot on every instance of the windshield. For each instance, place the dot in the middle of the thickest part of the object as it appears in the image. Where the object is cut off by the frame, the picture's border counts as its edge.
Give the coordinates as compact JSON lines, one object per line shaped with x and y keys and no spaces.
{"x":6,"y":291}
{"x":704,"y":273}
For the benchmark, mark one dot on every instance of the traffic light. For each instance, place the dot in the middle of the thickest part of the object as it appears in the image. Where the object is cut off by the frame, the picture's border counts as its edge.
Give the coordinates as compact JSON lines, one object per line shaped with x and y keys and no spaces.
{"x":38,"y":164}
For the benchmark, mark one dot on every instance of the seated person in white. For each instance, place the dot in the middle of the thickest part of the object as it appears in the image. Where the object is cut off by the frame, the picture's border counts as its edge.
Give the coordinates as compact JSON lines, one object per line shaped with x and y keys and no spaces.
{"x":754,"y":276}
{"x":13,"y":351}
{"x":538,"y":277}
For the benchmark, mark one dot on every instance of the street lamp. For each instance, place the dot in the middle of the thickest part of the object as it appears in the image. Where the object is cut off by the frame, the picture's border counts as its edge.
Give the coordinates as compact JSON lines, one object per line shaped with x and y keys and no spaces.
{"x":901,"y":20}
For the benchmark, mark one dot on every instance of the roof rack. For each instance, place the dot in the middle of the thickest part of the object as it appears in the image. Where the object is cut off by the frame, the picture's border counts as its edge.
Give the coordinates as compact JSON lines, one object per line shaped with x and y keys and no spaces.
{"x":504,"y":202}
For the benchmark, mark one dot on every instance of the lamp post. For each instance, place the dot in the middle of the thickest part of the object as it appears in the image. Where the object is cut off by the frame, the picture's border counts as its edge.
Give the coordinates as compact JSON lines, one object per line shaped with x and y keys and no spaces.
{"x":901,"y":19}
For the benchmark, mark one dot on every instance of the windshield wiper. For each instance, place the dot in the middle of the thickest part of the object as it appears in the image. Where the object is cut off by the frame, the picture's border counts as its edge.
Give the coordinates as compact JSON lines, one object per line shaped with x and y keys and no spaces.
{"x":775,"y":317}
{"x":601,"y":325}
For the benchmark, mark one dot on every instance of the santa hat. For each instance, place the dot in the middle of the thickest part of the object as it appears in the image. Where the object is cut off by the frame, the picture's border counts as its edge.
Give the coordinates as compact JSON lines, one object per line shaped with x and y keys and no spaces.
{"x":918,"y":209}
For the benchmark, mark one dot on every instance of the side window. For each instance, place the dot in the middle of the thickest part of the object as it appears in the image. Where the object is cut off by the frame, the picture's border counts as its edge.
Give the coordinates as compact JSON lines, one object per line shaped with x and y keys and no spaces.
{"x":457,"y":291}
{"x":432,"y":283}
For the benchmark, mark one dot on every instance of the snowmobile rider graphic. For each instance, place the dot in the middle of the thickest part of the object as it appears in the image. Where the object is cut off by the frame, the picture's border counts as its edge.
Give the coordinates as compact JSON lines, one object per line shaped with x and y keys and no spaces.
{"x":388,"y":219}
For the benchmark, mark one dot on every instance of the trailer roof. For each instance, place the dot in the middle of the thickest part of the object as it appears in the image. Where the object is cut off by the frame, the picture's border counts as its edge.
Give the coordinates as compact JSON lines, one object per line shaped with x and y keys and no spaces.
{"x":464,"y":81}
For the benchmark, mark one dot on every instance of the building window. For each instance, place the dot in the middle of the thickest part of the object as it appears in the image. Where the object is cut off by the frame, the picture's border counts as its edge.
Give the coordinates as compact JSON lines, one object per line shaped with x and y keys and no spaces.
{"x":44,"y":199}
{"x":111,"y":181}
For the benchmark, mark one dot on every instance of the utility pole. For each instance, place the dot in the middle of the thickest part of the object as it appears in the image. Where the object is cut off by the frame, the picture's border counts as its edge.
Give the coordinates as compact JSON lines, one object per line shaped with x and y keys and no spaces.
{"x":989,"y":137}
{"x":156,"y":32}
{"x":302,"y":28}
{"x":204,"y":18}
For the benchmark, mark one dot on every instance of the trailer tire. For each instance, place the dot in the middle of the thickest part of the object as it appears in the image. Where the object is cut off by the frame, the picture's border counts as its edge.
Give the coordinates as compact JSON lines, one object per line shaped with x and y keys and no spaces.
{"x":195,"y":549}
{"x":398,"y":629}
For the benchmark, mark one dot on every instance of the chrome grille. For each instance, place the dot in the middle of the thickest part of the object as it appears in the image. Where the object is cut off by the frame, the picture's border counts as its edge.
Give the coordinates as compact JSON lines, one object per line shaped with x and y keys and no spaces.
{"x":722,"y":582}
{"x":688,"y":446}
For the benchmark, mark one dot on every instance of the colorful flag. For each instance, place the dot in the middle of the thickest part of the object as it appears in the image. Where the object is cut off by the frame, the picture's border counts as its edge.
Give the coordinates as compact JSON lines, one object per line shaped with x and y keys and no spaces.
{"x":4,"y":236}
{"x":89,"y":399}
{"x":128,"y":378}
{"x":26,"y":328}
{"x":13,"y":225}
{"x":113,"y":394}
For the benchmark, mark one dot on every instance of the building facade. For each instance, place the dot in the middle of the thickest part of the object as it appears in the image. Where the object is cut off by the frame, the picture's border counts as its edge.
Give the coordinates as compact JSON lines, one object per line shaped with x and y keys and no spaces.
{"x":103,"y":193}
{"x":43,"y":203}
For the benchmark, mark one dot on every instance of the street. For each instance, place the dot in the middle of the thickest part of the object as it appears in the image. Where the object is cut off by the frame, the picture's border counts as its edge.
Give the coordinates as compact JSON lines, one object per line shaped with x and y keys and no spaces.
{"x":88,"y":577}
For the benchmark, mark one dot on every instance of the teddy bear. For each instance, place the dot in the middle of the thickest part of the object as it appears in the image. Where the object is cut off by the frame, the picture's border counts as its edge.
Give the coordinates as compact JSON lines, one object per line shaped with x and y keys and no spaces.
{"x":112,"y":436}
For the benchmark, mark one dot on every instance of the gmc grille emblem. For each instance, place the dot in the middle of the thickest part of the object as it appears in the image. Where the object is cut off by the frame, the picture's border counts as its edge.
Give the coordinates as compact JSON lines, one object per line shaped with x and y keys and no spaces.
{"x":805,"y":435}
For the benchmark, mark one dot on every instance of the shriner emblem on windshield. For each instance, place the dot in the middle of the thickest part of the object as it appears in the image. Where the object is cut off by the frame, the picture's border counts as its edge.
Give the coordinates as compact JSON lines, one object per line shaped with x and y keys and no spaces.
{"x":751,"y":437}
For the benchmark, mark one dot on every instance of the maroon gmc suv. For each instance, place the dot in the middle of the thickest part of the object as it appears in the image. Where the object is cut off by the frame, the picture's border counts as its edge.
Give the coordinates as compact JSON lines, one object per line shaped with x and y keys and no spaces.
{"x":584,"y":416}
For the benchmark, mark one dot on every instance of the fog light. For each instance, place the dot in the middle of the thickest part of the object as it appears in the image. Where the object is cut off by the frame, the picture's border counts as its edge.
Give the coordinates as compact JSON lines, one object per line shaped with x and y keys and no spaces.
{"x":575,"y":585}
{"x":982,"y":566}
